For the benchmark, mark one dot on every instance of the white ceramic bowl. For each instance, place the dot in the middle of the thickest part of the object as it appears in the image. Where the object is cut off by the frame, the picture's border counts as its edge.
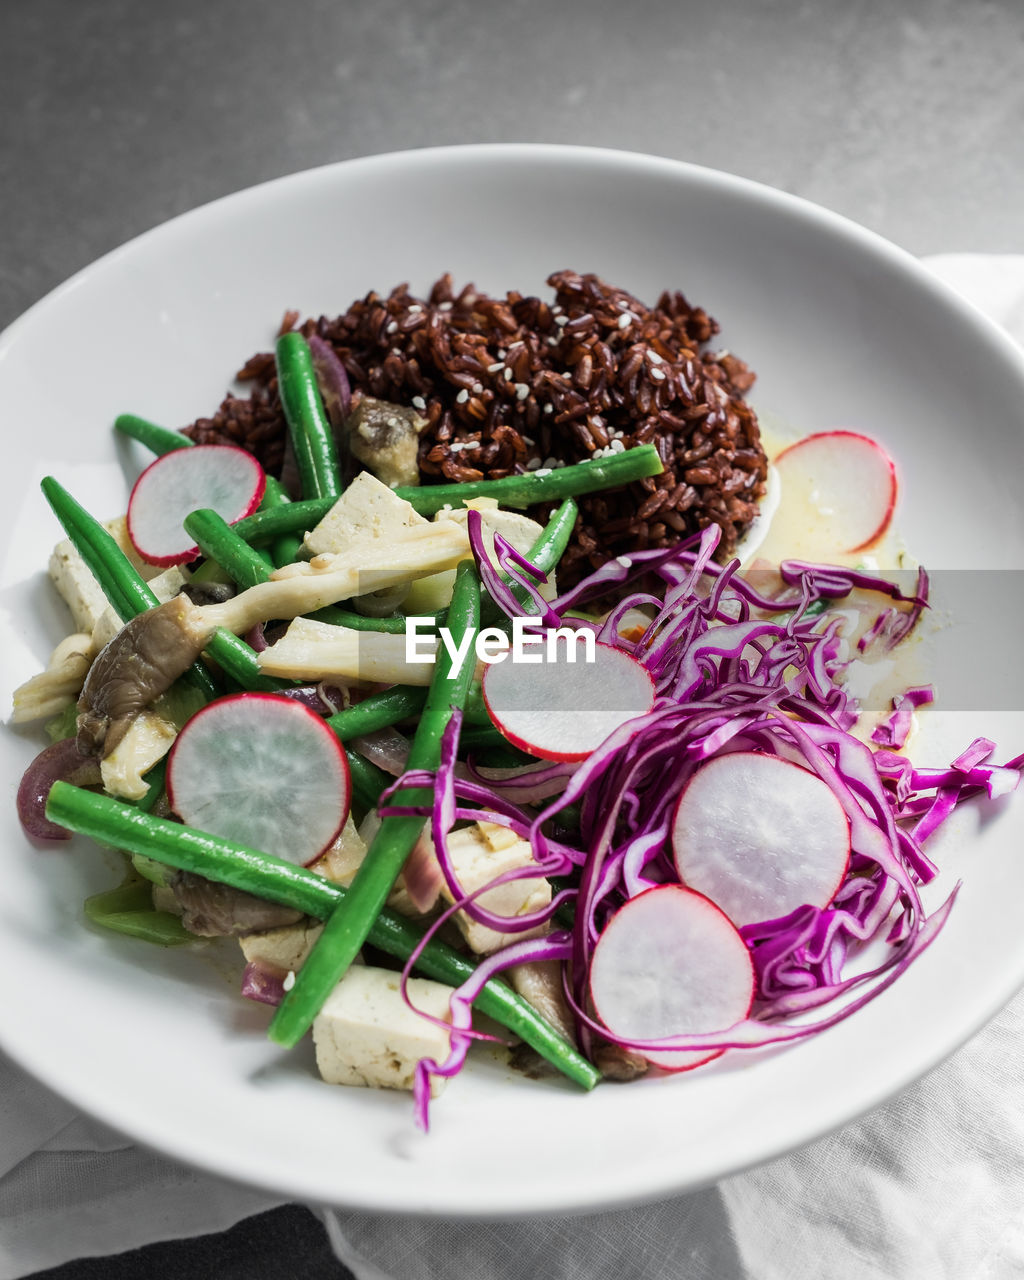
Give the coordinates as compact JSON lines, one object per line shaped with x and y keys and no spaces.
{"x":843,"y":330}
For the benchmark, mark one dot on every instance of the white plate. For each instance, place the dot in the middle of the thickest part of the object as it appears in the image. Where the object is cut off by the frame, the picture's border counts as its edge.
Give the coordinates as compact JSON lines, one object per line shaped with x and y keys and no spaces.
{"x":842,"y":328}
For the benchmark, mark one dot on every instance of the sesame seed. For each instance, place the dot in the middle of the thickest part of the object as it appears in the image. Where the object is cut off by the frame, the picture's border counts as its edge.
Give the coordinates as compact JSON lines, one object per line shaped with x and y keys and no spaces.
{"x":553,"y":342}
{"x":624,"y":561}
{"x":527,"y":440}
{"x":418,"y":402}
{"x":508,"y":375}
{"x":522,"y":390}
{"x":462,"y":397}
{"x":392,"y":327}
{"x":654,"y":357}
{"x":617,"y":446}
{"x":625,"y":320}
{"x":496,"y":367}
{"x":542,"y":471}
{"x":658,"y":375}
{"x":478,"y":388}
{"x":550,"y":462}
{"x":414,"y":307}
{"x":533,"y":464}
{"x":289,"y":980}
{"x":549,"y":408}
{"x":444,"y":306}
{"x":561,"y":320}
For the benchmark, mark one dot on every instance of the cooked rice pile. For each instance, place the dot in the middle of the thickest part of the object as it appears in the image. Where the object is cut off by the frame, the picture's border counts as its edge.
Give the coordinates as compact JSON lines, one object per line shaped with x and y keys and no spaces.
{"x":518,"y":383}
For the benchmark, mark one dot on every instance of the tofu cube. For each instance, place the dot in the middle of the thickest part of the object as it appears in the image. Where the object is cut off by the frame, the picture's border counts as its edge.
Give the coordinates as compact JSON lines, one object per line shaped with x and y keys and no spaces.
{"x":367,"y":513}
{"x":480,"y":854}
{"x":285,"y":949}
{"x":366,"y":1034}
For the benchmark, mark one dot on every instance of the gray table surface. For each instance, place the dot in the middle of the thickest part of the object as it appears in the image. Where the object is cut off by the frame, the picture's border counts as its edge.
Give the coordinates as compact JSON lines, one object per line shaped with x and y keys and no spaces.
{"x":905,"y":115}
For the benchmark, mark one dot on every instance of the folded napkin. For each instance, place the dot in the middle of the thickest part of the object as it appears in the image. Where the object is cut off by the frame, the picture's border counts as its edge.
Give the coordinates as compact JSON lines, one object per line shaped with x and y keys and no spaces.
{"x":929,"y":1186}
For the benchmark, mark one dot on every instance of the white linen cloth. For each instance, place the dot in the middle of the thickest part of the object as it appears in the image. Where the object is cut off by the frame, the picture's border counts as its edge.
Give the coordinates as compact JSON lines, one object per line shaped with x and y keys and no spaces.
{"x":929,"y":1186}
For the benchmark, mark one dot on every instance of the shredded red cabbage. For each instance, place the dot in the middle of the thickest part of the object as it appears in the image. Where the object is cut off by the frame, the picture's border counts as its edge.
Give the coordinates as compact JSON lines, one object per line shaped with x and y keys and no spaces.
{"x":735,"y":669}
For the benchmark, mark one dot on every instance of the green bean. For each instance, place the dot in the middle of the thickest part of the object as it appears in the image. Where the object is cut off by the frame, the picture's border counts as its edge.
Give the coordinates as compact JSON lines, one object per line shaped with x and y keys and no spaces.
{"x":311,"y":434}
{"x":175,"y":845}
{"x":283,"y":550}
{"x":511,"y":491}
{"x":347,"y":928}
{"x":126,"y":590}
{"x":379,"y":710}
{"x":215,"y":539}
{"x":158,"y":440}
{"x":367,"y":780}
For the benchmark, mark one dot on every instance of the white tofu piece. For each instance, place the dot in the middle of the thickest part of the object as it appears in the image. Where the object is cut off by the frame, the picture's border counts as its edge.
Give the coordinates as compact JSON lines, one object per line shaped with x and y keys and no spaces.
{"x":148,"y":739}
{"x":519,"y":530}
{"x":285,"y":949}
{"x":476,"y":862}
{"x":366,"y":1034}
{"x":76,"y":584}
{"x":367,"y":512}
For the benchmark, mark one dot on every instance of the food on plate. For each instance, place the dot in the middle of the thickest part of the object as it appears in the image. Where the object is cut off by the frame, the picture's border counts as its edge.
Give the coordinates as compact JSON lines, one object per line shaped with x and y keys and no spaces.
{"x":502,"y":384}
{"x":389,"y":723}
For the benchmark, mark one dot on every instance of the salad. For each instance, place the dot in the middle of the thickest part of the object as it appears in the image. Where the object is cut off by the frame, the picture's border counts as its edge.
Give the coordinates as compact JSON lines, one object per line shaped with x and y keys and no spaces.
{"x":638,"y":819}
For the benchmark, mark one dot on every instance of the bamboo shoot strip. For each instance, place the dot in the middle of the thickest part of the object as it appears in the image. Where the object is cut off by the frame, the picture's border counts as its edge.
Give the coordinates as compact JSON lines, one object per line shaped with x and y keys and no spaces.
{"x":347,"y":929}
{"x":175,"y":845}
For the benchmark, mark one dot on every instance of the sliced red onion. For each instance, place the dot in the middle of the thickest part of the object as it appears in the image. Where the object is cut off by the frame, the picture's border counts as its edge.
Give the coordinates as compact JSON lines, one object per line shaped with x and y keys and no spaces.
{"x":263,"y":985}
{"x":62,"y":762}
{"x":386,"y":748}
{"x":331,"y":379}
{"x":323,"y":699}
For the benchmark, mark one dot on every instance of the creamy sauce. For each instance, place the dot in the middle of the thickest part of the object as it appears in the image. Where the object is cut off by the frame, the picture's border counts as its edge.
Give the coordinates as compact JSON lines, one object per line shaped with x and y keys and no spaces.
{"x":878,"y":675}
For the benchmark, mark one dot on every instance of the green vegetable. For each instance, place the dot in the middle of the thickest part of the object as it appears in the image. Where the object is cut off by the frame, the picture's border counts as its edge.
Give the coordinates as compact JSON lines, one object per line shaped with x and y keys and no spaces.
{"x":367,"y":781}
{"x":283,"y":550}
{"x":377,"y":711}
{"x":126,"y":590}
{"x":157,"y":439}
{"x":128,"y":909}
{"x":129,"y":594}
{"x":347,"y":928}
{"x":311,"y":434}
{"x":106,"y":820}
{"x":511,"y":491}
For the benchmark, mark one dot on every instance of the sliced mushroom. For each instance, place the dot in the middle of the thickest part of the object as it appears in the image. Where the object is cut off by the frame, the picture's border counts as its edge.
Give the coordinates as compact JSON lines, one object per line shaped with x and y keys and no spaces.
{"x":142,"y":661}
{"x":385,"y":438}
{"x":212,"y":910}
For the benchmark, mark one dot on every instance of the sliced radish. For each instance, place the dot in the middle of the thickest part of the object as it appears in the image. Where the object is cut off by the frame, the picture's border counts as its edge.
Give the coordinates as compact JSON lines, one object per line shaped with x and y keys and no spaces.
{"x":262,"y":770}
{"x":846,"y":482}
{"x":670,"y":963}
{"x":228,"y":480}
{"x":760,"y":836}
{"x":561,"y":710}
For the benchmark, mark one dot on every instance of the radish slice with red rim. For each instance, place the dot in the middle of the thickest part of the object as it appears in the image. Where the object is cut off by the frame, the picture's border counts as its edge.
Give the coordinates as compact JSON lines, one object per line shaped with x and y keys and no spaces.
{"x":760,"y":836}
{"x":847,"y":480}
{"x":227,"y":480}
{"x":669,"y":963}
{"x":264,"y":771}
{"x":562,"y":710}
